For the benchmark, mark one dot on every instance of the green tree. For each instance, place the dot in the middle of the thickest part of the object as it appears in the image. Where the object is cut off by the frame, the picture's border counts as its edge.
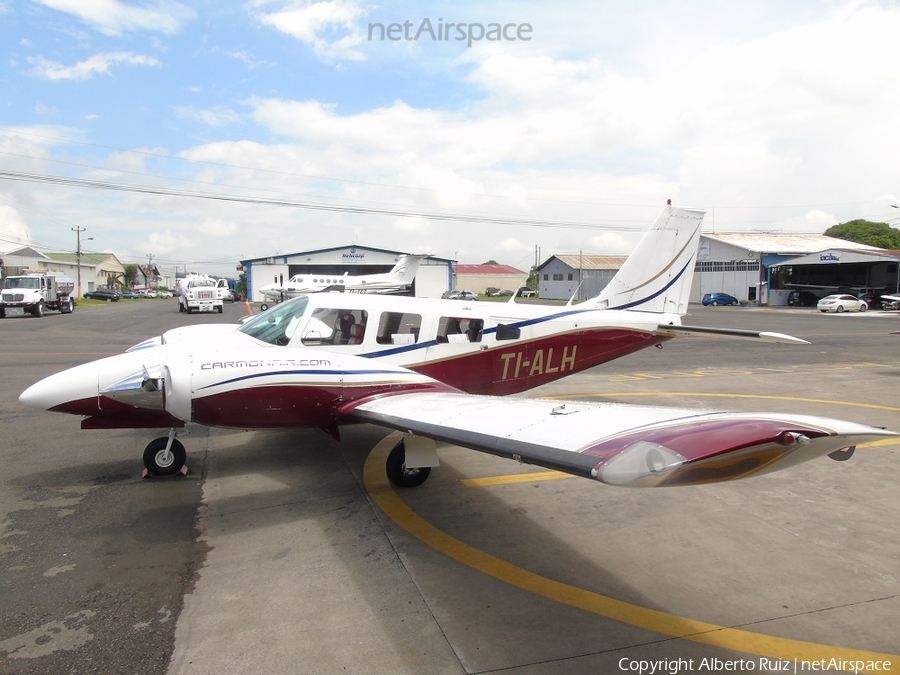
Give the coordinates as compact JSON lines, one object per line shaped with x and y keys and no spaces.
{"x":861,"y":231}
{"x":131,"y":275}
{"x":490,"y":262}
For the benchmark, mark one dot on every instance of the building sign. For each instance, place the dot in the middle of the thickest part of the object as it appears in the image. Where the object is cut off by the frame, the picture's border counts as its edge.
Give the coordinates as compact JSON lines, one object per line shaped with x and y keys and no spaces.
{"x":353,"y":257}
{"x":829,"y":257}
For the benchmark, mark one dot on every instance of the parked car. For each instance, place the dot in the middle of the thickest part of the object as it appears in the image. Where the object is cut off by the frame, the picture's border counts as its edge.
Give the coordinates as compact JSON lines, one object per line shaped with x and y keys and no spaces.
{"x":164,"y":294}
{"x":492,"y":291}
{"x":719,"y":299}
{"x":505,"y":294}
{"x":802,"y":299}
{"x":130,"y":294}
{"x":525,"y":292}
{"x":103,"y":293}
{"x":463,"y":295}
{"x":841,"y":303}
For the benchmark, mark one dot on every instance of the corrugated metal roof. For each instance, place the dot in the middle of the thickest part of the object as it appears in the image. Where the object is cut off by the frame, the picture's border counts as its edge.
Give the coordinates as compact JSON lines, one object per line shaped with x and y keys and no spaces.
{"x":486,"y":269}
{"x":787,"y":243}
{"x":589,"y":262}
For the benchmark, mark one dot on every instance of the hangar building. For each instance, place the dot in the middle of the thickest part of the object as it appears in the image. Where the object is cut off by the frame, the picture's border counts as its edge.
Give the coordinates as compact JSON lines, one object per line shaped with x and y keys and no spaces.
{"x":434,"y":277}
{"x":560,"y":275}
{"x":765,"y":268}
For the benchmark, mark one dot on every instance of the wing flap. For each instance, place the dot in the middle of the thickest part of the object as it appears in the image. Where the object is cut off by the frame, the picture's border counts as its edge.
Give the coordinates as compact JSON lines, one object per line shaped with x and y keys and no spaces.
{"x":636,"y":446}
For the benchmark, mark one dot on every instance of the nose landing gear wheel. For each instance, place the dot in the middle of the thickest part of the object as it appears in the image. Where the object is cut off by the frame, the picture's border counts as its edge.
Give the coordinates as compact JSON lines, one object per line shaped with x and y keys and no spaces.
{"x":397,"y":472}
{"x":160,"y":462}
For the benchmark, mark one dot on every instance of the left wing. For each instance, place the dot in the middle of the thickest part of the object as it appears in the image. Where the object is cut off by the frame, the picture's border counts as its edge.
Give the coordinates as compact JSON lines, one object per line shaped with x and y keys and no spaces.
{"x":637,"y":446}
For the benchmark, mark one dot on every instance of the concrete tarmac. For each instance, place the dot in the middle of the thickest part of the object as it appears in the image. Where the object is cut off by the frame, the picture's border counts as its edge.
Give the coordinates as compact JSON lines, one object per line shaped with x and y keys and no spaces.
{"x":287,"y":552}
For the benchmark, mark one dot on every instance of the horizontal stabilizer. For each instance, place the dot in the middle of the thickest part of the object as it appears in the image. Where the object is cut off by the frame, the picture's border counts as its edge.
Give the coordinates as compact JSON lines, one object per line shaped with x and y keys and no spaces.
{"x":635,"y":446}
{"x":765,"y":336}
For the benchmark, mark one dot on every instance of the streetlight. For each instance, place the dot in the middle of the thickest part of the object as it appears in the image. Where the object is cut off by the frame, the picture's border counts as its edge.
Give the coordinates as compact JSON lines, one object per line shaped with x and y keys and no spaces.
{"x":78,"y":231}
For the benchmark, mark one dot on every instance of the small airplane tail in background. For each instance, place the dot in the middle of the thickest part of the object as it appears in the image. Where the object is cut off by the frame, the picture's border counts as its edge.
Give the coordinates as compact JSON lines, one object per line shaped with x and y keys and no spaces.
{"x":657,"y":275}
{"x":405,"y":270}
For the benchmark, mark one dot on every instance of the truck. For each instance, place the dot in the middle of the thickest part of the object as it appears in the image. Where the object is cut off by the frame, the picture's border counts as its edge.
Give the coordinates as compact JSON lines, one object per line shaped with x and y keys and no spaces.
{"x":199,"y":292}
{"x":34,"y":292}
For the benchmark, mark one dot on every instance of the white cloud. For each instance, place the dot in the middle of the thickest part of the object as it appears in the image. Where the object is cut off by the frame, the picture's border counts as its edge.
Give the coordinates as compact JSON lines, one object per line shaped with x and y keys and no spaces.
{"x":329,"y":26}
{"x":14,"y":232}
{"x":112,"y":17}
{"x":214,"y":117}
{"x":83,"y":70}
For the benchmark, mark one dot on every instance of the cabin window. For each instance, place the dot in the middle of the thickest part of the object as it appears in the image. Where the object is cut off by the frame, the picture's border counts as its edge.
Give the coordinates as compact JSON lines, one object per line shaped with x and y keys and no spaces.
{"x":453,"y":329}
{"x":506,"y":332}
{"x":398,"y":328}
{"x":333,"y":326}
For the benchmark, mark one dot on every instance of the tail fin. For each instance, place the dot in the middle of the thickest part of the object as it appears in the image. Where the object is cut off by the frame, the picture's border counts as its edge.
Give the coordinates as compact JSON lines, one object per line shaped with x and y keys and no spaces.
{"x":406,"y":268}
{"x":657,"y":275}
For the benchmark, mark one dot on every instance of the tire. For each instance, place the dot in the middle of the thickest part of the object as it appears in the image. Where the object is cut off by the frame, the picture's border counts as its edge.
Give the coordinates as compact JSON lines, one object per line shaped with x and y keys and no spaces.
{"x":38,"y":309}
{"x":734,"y":304}
{"x":714,"y":303}
{"x":398,"y":474}
{"x":839,"y":309}
{"x":863,"y":308}
{"x":157,"y":463}
{"x":220,"y":309}
{"x":263,"y":307}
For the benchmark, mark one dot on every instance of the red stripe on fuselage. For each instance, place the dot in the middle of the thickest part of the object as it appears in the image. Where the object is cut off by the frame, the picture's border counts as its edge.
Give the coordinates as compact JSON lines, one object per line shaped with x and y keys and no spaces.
{"x":301,"y":405}
{"x":524,"y":365}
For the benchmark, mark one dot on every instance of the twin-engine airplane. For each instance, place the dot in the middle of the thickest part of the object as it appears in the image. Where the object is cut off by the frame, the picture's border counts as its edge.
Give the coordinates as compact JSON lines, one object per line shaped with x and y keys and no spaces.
{"x":400,"y":276}
{"x":436,"y":370}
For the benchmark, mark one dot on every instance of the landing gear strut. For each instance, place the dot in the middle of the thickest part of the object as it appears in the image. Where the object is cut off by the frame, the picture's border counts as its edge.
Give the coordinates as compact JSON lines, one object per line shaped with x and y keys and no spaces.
{"x":165,"y":456}
{"x":397,"y":472}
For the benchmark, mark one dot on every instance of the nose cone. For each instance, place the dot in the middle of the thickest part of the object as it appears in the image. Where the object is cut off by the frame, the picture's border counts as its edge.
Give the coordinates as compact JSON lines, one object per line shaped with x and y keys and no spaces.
{"x":77,"y":391}
{"x":72,"y":391}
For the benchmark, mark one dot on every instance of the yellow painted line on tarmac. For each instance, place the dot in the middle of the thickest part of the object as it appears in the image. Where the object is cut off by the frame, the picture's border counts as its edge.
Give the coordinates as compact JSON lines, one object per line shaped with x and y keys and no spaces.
{"x":515,"y":478}
{"x":769,"y":646}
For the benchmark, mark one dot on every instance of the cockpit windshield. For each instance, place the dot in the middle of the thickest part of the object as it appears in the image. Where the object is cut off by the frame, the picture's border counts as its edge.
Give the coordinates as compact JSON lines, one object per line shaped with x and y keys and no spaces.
{"x":277,"y":325}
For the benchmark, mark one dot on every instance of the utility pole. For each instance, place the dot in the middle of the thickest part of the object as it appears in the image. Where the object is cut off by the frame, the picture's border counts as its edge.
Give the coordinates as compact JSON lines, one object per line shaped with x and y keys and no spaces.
{"x":78,"y":231}
{"x":149,"y":269}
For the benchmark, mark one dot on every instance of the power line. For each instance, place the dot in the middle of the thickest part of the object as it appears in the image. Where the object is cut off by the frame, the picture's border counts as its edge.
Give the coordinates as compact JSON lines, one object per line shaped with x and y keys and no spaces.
{"x":312,"y":206}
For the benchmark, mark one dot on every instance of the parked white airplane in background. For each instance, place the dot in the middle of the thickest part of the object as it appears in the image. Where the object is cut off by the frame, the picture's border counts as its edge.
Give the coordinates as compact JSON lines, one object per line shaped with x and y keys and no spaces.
{"x":434,"y":369}
{"x":401,"y":276}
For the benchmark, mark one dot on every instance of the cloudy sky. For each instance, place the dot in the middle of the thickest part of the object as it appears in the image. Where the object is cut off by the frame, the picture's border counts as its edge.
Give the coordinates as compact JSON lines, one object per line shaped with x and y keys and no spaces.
{"x":322,"y":126}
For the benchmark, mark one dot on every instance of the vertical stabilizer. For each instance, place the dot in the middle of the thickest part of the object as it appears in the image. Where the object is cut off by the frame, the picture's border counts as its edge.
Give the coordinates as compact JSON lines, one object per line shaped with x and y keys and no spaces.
{"x":405,"y":270}
{"x":657,"y":275}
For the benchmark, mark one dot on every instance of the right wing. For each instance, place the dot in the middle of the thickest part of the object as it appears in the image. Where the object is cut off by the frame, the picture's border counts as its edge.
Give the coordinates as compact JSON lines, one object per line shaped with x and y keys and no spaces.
{"x":637,"y":446}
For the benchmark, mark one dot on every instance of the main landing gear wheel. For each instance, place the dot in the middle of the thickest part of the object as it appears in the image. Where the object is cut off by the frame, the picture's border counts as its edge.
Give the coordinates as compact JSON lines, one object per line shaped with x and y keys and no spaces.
{"x":263,"y":307}
{"x":158,"y":462}
{"x":397,"y":472}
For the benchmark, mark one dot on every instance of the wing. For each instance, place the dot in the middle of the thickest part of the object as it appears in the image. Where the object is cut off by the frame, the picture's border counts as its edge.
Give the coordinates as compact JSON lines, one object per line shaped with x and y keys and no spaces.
{"x":636,"y":446}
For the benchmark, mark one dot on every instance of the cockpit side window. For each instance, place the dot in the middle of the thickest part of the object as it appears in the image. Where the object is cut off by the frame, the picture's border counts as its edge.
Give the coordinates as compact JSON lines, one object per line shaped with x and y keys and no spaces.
{"x":277,"y":325}
{"x":332,"y":326}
